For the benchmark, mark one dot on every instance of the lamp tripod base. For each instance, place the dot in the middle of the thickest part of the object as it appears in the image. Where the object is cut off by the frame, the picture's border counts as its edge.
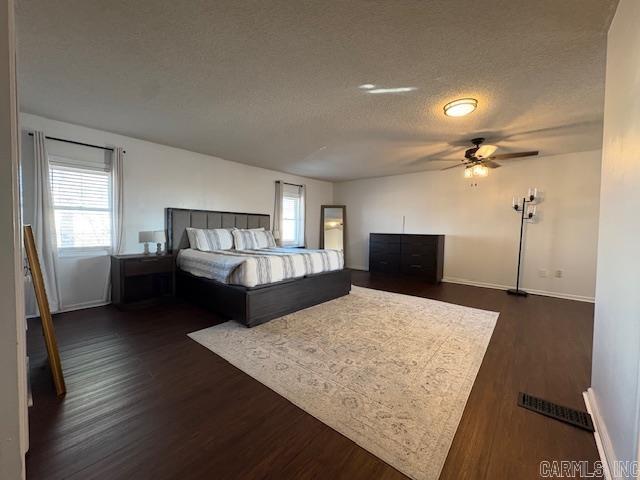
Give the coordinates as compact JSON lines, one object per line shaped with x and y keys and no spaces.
{"x":518,"y":293}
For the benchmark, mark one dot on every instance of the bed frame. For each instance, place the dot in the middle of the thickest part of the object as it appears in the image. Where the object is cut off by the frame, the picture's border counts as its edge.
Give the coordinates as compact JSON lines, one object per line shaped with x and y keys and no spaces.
{"x":250,"y":306}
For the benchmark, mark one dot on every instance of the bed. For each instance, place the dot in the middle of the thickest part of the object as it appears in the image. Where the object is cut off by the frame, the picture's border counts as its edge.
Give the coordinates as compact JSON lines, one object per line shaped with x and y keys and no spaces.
{"x":249,"y":298}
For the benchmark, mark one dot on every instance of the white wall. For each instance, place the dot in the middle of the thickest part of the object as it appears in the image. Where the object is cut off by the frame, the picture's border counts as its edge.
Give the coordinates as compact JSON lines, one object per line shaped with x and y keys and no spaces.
{"x":13,"y":421}
{"x":481,"y":229}
{"x":157,"y":176}
{"x":616,"y":343}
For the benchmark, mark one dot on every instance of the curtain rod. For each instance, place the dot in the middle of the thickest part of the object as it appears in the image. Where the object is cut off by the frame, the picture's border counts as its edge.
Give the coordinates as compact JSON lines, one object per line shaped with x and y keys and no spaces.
{"x":76,"y":143}
{"x":292,"y":184}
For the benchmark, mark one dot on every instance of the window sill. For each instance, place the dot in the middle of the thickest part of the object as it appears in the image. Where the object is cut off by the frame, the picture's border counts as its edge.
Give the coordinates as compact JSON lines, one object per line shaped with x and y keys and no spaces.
{"x":83,"y":252}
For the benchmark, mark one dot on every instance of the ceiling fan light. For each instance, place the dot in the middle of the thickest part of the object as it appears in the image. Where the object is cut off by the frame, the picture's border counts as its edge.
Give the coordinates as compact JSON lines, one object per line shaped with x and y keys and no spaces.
{"x":480,"y":170}
{"x":468,"y":173}
{"x":460,"y":107}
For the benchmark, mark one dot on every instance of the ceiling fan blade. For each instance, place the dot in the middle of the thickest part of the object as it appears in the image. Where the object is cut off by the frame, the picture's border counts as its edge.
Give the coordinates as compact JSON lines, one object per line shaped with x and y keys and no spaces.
{"x":433,"y":157}
{"x":428,"y":159}
{"x":454,"y":166}
{"x":506,"y":156}
{"x":485,"y":151}
{"x":491,"y":164}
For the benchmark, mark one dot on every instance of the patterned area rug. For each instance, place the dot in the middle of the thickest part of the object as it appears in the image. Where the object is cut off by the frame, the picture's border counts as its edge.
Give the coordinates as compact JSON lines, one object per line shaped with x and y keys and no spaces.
{"x":391,"y":372}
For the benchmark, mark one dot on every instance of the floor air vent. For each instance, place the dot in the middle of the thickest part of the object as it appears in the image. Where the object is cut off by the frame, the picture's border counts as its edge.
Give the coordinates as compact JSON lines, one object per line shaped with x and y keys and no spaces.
{"x":577,"y":418}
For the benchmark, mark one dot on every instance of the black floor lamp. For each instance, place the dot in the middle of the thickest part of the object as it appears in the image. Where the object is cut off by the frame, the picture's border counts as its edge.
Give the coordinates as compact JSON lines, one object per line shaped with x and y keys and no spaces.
{"x":527,"y":213}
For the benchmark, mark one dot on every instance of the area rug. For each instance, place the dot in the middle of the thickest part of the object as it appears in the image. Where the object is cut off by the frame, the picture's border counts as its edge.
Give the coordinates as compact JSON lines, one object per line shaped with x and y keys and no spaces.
{"x":391,"y":372}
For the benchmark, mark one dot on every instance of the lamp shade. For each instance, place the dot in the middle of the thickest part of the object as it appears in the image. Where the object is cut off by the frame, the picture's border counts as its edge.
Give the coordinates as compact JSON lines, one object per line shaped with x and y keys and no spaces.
{"x":158,"y":236}
{"x":146,"y":236}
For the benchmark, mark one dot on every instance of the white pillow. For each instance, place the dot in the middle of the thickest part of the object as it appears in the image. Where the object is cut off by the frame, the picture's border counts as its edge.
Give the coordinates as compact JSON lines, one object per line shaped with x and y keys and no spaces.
{"x":254,"y":239}
{"x":208,"y":240}
{"x":271,"y":240}
{"x":191,"y":234}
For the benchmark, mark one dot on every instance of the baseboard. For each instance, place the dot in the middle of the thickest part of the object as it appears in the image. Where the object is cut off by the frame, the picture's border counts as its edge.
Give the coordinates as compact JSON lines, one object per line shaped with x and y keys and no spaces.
{"x":565,"y":296}
{"x":358,"y":267}
{"x":82,"y":306}
{"x":473,"y":283}
{"x":77,"y":306}
{"x":603,"y":441}
{"x":545,"y":293}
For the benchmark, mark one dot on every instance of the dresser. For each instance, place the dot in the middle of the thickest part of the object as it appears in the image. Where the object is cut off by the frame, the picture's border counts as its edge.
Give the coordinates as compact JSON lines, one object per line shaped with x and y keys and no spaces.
{"x":416,"y":255}
{"x":140,"y":279}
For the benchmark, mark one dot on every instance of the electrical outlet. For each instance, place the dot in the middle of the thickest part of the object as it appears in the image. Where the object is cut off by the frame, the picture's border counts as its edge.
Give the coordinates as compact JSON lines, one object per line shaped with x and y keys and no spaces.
{"x":542,"y":273}
{"x":559,"y":273}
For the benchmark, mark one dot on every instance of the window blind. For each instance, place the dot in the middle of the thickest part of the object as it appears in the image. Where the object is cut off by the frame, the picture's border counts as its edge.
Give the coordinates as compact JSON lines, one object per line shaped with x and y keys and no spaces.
{"x":82,"y":206}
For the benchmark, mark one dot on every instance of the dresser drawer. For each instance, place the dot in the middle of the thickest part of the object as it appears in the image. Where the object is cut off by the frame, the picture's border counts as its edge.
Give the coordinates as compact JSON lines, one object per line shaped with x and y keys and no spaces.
{"x":418,"y":250}
{"x":381,"y":248}
{"x":385,"y":237}
{"x":384,"y":263}
{"x":419,"y":240}
{"x":147,"y":266}
{"x":425,"y":269}
{"x":424,"y":255}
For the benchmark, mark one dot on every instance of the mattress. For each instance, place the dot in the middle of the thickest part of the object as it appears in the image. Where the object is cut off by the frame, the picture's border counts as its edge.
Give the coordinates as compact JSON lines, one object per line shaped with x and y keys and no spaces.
{"x":250,"y":268}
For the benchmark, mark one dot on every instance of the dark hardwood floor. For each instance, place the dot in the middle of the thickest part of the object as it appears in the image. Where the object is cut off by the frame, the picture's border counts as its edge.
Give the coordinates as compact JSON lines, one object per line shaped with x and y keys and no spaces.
{"x":146,"y":402}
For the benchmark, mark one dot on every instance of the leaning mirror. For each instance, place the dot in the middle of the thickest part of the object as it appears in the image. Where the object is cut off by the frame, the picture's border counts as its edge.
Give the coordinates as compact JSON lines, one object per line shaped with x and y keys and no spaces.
{"x":332,"y":227}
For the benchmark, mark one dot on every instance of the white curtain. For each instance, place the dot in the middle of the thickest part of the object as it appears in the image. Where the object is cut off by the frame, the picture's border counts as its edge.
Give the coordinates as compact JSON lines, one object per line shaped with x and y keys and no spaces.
{"x":292,"y":198}
{"x":44,"y":227}
{"x":277,"y":214}
{"x":303,"y":214}
{"x":117,"y":217}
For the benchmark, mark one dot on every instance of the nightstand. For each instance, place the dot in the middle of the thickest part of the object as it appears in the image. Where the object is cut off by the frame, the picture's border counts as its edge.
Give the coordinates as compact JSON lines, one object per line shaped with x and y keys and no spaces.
{"x":138,"y":279}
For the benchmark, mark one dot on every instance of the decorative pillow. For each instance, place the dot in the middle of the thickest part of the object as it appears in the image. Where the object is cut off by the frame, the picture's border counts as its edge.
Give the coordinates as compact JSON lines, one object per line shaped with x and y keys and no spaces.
{"x":208,"y":240}
{"x":254,"y":239}
{"x":271,"y":240}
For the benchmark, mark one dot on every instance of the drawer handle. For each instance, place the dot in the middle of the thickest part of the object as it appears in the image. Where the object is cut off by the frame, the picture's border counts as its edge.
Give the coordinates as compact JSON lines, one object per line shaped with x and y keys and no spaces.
{"x":416,"y":255}
{"x":384,"y":263}
{"x":149,"y":260}
{"x":416,"y":266}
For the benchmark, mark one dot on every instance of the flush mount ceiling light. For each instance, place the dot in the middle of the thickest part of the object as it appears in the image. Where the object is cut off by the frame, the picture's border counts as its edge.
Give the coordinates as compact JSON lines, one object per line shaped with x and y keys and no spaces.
{"x":460,"y":107}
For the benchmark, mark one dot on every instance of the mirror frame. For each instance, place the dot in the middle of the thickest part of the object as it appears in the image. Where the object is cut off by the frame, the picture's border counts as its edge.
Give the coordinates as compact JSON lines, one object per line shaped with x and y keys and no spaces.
{"x":344,"y":228}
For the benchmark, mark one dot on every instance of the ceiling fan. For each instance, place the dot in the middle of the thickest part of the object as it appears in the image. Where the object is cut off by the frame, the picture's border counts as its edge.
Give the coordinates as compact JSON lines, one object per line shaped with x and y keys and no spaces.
{"x":480,"y":158}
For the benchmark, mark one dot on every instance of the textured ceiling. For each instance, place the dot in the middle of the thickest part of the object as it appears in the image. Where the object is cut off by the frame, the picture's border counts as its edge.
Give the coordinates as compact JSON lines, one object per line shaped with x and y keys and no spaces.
{"x":275,"y":83}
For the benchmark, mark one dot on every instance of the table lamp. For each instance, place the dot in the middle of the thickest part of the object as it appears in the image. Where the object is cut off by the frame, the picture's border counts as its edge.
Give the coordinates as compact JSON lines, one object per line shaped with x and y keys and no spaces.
{"x":145,"y":237}
{"x":159,"y":238}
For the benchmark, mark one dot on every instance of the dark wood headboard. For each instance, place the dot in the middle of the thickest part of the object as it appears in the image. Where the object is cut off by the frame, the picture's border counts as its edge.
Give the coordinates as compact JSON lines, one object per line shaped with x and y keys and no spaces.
{"x":178,"y":219}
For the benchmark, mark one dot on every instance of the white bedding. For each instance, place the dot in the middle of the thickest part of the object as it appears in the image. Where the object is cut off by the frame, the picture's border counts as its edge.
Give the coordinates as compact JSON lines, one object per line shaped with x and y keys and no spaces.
{"x":250,"y":268}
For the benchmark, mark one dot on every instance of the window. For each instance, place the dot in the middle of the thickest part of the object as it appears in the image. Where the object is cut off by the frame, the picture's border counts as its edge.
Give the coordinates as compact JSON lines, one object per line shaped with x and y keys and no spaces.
{"x":82,"y":205}
{"x":292,"y":215}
